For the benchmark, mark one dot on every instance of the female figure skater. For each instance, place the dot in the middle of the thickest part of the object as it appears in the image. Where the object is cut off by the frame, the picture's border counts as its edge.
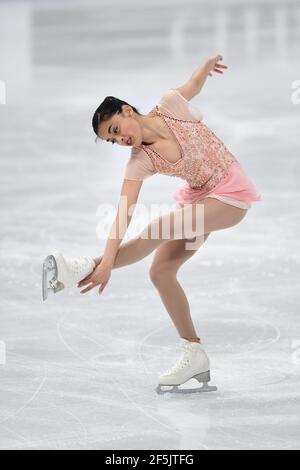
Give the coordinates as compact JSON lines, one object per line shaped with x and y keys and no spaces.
{"x":172,"y":140}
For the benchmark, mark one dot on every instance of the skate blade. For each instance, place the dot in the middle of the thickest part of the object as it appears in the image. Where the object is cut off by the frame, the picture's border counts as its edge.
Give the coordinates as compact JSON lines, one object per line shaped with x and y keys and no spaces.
{"x":50,"y":282}
{"x":202,"y":378}
{"x":175,"y":389}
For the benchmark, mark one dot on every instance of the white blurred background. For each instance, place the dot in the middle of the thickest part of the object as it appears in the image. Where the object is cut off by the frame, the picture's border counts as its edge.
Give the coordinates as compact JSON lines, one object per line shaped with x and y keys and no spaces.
{"x":80,"y":371}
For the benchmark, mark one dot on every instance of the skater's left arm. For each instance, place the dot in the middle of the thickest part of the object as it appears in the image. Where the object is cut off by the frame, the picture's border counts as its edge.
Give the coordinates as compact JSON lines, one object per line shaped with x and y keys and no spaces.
{"x":101,"y":274}
{"x":195,"y":84}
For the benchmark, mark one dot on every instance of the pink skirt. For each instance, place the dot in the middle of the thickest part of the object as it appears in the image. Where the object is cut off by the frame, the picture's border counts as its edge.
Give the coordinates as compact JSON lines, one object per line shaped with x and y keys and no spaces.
{"x":235,"y":188}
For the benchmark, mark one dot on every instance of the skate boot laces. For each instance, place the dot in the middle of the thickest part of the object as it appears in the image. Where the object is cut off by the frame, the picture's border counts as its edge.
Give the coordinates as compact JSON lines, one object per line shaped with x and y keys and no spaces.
{"x":184,"y":360}
{"x":79,"y":265}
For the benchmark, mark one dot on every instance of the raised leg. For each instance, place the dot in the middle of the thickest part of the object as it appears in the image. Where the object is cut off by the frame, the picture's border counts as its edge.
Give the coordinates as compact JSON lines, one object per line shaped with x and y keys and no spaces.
{"x":215,"y":215}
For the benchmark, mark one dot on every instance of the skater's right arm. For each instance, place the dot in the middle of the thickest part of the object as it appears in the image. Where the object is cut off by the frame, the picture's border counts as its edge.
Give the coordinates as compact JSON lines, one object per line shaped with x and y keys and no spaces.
{"x":129,"y":195}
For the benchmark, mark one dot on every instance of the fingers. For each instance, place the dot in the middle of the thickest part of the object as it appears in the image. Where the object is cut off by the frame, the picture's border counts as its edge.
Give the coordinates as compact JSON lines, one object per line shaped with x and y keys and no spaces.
{"x":85,"y":281}
{"x":217,"y":68}
{"x":91,"y":285}
{"x":220,"y":66}
{"x":214,"y":66}
{"x":87,"y":289}
{"x":102,"y":287}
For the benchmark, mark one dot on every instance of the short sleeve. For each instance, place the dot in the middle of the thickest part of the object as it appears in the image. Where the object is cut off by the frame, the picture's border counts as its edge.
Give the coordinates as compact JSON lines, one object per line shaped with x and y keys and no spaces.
{"x":139,"y":165}
{"x":176,"y":105}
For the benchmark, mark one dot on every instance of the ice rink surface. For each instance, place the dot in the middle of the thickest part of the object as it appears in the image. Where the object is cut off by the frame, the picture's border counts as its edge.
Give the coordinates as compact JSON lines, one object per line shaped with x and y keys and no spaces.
{"x":81,"y":370}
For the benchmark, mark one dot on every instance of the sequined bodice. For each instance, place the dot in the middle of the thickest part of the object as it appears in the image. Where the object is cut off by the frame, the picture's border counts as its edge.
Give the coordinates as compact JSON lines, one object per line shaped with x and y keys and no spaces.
{"x":204,"y":161}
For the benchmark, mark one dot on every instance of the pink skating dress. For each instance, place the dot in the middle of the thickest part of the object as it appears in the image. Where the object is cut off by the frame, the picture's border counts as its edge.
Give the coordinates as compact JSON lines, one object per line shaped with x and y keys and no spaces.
{"x":207,"y":166}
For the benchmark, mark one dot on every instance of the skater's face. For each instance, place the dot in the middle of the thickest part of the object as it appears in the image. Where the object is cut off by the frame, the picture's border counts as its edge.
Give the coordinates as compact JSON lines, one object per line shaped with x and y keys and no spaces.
{"x":123,"y":129}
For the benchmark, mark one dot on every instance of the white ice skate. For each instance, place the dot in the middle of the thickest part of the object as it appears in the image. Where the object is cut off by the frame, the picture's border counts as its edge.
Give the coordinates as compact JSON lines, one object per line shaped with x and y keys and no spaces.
{"x":193,"y":363}
{"x":60,"y":272}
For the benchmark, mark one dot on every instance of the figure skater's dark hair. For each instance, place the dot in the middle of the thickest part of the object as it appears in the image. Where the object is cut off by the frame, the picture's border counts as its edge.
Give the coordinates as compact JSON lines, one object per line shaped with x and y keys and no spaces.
{"x":107,"y":109}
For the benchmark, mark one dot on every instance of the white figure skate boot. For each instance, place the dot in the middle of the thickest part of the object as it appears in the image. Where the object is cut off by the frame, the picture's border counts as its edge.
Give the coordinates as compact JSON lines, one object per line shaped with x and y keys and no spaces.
{"x":60,"y":272}
{"x":193,"y":363}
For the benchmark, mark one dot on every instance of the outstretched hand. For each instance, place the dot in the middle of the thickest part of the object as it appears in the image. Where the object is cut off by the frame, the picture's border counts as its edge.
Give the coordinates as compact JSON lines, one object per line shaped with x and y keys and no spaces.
{"x":212,"y":64}
{"x":100,"y":276}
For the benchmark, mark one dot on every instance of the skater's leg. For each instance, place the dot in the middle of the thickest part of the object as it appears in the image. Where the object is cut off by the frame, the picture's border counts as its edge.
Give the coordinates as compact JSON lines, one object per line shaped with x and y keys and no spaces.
{"x":217,"y":216}
{"x":168,"y":258}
